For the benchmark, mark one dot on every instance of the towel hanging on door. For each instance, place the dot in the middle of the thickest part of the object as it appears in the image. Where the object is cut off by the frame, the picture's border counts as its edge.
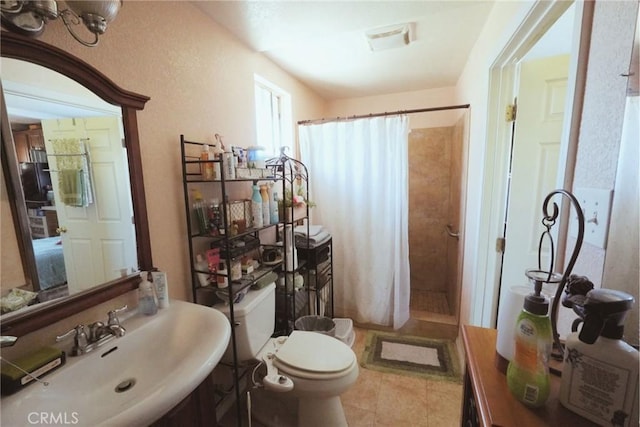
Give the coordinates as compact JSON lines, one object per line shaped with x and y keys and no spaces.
{"x":74,"y":174}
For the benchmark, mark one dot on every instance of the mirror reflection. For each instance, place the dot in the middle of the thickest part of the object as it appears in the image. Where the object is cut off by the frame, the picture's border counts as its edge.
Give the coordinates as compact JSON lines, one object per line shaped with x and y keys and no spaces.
{"x":69,"y":145}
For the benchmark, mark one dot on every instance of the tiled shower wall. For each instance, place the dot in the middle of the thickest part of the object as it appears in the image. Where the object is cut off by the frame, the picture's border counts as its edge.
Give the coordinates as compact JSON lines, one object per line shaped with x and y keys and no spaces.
{"x":434,"y":199}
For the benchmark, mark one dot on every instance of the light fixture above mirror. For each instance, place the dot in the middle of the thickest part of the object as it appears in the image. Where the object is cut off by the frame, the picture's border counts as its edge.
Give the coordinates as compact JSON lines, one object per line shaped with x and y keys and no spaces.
{"x":29,"y":17}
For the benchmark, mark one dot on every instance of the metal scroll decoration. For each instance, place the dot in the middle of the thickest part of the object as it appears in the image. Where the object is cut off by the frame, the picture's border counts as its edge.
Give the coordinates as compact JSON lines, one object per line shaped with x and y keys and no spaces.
{"x":549,"y":220}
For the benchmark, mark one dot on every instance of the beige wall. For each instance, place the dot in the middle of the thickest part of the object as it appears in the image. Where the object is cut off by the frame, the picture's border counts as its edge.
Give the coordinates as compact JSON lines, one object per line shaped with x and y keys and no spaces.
{"x":603,"y":112}
{"x":600,"y":139}
{"x":428,"y":98}
{"x":200,"y":80}
{"x":473,"y":88}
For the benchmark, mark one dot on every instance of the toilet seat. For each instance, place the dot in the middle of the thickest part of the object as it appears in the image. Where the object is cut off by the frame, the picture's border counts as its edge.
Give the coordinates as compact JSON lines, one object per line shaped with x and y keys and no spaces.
{"x":312,"y":355}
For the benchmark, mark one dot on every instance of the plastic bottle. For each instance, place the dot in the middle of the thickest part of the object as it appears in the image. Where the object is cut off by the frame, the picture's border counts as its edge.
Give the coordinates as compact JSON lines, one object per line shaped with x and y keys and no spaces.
{"x":200,"y":211}
{"x":256,"y":207}
{"x":229,"y":167}
{"x":266,"y":215}
{"x":146,"y":297}
{"x":206,"y":169}
{"x":273,"y":205}
{"x":161,"y":288}
{"x":202,"y":265}
{"x":217,"y":152}
{"x":222,"y":275}
{"x":600,"y":373}
{"x":215,"y":218}
{"x":528,"y":372}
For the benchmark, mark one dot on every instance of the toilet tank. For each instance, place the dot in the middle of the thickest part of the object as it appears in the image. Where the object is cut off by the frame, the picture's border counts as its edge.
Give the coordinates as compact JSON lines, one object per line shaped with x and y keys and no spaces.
{"x":255,"y":320}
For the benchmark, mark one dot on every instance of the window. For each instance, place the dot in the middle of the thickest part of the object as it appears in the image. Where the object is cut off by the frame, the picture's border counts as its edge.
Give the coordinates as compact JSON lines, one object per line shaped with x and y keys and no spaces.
{"x":274,"y":128}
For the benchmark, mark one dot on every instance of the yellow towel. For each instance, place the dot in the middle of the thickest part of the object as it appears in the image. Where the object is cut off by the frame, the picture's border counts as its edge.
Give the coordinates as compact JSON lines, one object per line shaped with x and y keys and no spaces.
{"x":71,"y":187}
{"x":71,"y":160}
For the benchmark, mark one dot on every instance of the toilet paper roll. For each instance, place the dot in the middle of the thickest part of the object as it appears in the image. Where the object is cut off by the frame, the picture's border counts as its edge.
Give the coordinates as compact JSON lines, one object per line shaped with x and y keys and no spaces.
{"x":288,"y":239}
{"x":508,"y":313}
{"x":292,"y":260}
{"x":510,"y":308}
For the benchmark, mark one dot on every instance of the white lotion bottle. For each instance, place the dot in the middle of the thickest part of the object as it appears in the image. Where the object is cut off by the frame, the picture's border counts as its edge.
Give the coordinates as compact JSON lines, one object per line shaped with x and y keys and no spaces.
{"x":162,"y":289}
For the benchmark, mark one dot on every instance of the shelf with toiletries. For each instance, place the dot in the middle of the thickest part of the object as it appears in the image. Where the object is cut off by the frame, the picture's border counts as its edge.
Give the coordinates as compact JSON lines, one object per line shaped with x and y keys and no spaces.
{"x":240,"y":223}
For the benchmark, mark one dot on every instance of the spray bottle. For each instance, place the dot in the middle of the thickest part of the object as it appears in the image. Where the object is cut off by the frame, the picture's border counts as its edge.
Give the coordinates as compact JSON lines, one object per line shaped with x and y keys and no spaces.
{"x":528,"y":372}
{"x":600,"y":372}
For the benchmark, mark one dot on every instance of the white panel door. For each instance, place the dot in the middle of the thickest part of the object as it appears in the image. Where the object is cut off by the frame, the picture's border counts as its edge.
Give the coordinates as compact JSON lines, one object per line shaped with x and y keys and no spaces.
{"x":100,"y":239}
{"x":538,"y":129}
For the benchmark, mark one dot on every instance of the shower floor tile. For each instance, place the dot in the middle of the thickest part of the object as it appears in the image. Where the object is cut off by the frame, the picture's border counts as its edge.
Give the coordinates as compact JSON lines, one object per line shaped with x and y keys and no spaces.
{"x":431,"y":301}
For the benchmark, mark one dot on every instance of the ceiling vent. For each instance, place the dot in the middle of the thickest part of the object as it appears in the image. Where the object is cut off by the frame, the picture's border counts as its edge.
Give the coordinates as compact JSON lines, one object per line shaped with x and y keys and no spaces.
{"x":390,"y":37}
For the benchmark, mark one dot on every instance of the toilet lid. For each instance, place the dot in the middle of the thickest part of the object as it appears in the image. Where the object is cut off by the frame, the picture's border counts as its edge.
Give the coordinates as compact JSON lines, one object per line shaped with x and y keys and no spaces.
{"x":315,"y":352}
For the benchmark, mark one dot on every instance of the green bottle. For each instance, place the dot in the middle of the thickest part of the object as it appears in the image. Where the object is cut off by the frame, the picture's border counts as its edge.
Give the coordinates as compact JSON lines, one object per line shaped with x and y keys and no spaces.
{"x":528,"y":372}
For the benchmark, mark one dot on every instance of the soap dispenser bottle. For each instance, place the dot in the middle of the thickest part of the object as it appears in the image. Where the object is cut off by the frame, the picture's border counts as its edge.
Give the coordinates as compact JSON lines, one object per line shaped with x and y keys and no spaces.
{"x":600,"y":372}
{"x":528,"y":372}
{"x":146,"y":297}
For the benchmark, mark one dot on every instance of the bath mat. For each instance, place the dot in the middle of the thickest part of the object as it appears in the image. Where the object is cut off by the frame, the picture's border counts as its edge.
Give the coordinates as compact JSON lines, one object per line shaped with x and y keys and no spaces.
{"x":411,"y":355}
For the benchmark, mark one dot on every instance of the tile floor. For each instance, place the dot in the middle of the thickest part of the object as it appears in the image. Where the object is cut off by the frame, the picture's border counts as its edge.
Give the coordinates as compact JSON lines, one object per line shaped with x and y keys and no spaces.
{"x":389,"y":400}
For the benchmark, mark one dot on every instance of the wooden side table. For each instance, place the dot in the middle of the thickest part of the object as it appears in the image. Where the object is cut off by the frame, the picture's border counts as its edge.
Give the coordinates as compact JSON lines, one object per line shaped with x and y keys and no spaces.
{"x":487,"y":400}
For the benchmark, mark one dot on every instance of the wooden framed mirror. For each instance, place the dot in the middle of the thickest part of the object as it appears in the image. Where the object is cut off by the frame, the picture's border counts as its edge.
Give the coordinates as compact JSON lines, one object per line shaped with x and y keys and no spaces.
{"x":21,"y":48}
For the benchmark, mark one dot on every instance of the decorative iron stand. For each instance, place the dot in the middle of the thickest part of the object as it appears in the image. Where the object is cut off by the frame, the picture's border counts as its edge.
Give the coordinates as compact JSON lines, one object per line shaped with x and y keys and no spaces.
{"x":549,"y":220}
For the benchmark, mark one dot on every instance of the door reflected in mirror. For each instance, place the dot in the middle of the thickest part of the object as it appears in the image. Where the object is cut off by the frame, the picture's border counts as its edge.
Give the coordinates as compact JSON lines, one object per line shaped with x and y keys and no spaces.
{"x":69,"y":145}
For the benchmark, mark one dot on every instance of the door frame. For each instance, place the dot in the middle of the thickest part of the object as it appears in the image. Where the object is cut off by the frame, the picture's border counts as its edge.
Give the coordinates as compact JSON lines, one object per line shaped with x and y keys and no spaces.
{"x":503,"y":76}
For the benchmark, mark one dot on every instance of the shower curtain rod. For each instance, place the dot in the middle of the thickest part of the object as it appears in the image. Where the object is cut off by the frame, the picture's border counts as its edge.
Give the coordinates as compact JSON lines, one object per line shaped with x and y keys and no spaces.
{"x":393,"y":113}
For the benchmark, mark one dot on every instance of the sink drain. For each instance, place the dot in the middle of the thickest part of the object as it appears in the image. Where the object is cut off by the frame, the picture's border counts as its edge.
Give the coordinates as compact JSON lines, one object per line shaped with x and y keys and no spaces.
{"x":125,"y":385}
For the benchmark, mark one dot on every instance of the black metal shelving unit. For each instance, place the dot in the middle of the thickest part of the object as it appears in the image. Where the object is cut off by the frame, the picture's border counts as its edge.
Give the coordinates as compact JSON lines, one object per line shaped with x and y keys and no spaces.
{"x":207,"y":295}
{"x":319,"y":271}
{"x":287,"y":174}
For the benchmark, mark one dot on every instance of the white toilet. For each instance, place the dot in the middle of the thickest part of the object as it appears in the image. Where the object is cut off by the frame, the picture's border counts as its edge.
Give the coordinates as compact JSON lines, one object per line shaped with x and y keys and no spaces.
{"x":312,"y":368}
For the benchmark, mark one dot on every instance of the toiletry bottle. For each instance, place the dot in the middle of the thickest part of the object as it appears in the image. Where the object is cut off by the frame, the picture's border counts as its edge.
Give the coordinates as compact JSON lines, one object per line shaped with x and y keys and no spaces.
{"x":217,"y":152}
{"x":229,"y":168}
{"x":222,"y":275}
{"x":206,"y":169}
{"x":266,"y":215}
{"x":146,"y":297}
{"x":161,"y":288}
{"x":256,"y":207}
{"x":214,"y":217}
{"x":200,"y":211}
{"x":202,"y":265}
{"x":600,"y":372}
{"x":528,"y":372}
{"x":273,"y":205}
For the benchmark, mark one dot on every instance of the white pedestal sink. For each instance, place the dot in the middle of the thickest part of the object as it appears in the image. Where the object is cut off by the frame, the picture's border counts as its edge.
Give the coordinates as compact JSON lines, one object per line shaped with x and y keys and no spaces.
{"x":132,"y":380}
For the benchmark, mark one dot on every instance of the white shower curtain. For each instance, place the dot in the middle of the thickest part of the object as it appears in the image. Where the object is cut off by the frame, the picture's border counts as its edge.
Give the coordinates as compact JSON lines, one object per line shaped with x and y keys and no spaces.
{"x":358,"y":179}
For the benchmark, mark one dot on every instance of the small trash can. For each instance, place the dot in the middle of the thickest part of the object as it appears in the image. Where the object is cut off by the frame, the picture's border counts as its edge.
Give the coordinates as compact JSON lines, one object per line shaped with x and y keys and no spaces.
{"x":320,"y":324}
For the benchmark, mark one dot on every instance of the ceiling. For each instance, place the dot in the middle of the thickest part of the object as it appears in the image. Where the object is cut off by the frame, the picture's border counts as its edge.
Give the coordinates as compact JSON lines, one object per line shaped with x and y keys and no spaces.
{"x":33,"y":93}
{"x":322,"y":43}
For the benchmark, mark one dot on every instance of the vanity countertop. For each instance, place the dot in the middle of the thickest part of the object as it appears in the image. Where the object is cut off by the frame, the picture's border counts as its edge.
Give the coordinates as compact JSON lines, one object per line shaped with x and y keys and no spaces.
{"x":486,"y":390}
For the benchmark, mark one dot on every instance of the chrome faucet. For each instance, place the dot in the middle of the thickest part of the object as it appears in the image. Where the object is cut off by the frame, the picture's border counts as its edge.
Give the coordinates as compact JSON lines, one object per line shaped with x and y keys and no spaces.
{"x":113,"y":324}
{"x":96,"y":335}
